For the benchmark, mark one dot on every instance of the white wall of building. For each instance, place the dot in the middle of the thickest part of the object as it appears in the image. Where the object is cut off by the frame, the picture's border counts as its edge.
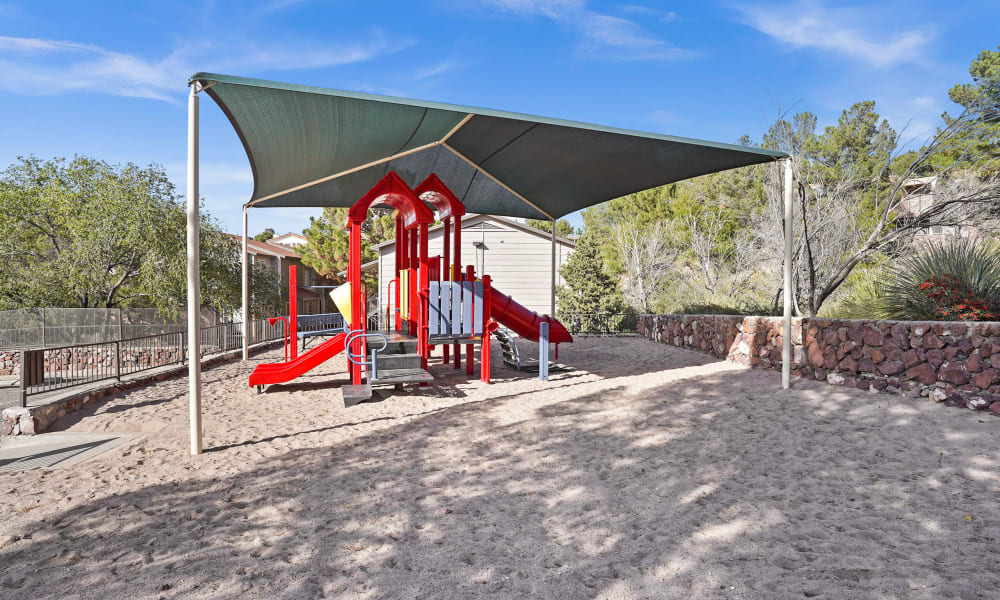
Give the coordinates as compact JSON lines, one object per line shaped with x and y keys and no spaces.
{"x":517,"y":261}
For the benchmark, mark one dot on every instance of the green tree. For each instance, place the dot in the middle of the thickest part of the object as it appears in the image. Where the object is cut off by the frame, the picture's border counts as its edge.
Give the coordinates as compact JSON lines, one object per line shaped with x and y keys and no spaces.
{"x":327,"y":250}
{"x":264,"y":235}
{"x":588,"y":288}
{"x":85,"y":233}
{"x":981,"y":147}
{"x":563,"y":227}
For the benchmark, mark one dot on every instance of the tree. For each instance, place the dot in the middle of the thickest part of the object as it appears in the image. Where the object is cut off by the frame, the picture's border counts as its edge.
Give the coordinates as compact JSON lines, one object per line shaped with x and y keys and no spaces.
{"x":264,"y":235}
{"x":85,"y":233}
{"x":327,"y":250}
{"x":563,"y":227}
{"x":851,"y":201}
{"x":983,"y":149}
{"x":648,"y":255}
{"x":588,"y":288}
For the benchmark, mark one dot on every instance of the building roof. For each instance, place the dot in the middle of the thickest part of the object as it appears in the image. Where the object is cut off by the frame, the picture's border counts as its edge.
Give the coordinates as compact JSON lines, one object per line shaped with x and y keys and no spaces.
{"x":255,"y":247}
{"x":469,"y":219}
{"x":311,"y":146}
{"x":275,"y":239}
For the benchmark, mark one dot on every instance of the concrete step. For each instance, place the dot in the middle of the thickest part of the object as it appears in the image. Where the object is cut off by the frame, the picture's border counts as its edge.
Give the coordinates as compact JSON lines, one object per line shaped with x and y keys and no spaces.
{"x":356,"y":394}
{"x":394,"y":376}
{"x":398,"y":361}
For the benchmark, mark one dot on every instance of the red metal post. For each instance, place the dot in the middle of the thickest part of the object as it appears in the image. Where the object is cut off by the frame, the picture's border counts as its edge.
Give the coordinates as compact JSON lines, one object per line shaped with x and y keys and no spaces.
{"x":484,"y":352}
{"x":354,"y":277}
{"x":414,"y":257}
{"x":470,"y":349}
{"x":293,"y":309}
{"x":424,"y":304}
{"x":446,"y":273}
{"x":457,"y":276}
{"x":400,"y":249}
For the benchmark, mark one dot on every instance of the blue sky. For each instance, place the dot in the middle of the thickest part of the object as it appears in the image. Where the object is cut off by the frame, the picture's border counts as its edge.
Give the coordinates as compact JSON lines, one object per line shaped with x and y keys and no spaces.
{"x":109,"y":79}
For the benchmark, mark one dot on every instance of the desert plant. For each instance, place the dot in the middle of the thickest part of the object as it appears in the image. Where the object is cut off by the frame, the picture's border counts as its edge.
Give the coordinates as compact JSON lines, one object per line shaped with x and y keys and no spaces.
{"x":958,"y":281}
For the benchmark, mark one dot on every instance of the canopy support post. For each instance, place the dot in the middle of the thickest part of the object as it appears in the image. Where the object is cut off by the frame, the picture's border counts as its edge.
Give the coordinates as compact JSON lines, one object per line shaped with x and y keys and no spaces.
{"x":245,"y":327}
{"x":193,"y":275}
{"x":786,"y":339}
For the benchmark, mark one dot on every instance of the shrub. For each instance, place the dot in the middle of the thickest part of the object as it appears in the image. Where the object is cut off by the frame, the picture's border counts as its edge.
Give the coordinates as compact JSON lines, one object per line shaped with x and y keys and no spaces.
{"x":959,"y":281}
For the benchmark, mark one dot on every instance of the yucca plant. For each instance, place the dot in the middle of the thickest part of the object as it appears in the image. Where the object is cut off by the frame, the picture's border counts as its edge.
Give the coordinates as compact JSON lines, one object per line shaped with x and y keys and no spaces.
{"x":863,"y":294}
{"x":957,"y":281}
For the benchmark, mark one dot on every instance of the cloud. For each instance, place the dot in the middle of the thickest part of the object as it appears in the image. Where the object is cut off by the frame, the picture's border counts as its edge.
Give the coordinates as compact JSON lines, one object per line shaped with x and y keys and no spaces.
{"x":44,"y":67}
{"x":608,"y":36}
{"x":838,"y":30}
{"x":441,"y":68}
{"x":666,"y":16}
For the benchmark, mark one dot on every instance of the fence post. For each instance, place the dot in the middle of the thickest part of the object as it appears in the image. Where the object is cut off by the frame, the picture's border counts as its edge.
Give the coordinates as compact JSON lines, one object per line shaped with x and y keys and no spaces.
{"x":43,"y":329}
{"x":121,"y":325}
{"x":24,"y":378}
{"x":118,"y":357}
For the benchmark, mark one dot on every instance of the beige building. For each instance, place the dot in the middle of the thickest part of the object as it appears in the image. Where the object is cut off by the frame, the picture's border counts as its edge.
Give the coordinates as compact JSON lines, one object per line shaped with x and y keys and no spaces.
{"x":517,"y":258}
{"x":278,"y":257}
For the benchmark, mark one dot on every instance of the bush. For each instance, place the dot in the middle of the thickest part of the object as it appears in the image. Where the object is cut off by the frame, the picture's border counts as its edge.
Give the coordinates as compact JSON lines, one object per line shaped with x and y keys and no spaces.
{"x":959,"y":281}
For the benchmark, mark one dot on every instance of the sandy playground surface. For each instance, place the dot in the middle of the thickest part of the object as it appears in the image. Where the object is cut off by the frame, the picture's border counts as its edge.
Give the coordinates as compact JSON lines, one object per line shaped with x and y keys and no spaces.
{"x":647,"y":472}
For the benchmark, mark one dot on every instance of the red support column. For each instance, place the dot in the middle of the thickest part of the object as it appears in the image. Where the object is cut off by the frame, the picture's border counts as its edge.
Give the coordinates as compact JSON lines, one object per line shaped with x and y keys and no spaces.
{"x":400,"y":249}
{"x":354,"y":277}
{"x":457,"y":276}
{"x":484,"y":352}
{"x":446,"y":274}
{"x":424,"y":304}
{"x":293,"y":310}
{"x":470,"y":349}
{"x":414,"y":281}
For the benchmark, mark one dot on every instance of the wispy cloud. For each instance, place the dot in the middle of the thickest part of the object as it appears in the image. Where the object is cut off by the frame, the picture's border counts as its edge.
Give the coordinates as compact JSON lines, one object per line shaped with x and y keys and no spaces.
{"x":42,"y":66}
{"x":666,"y":16}
{"x":844,"y":31}
{"x":604,"y":35}
{"x":436,"y":70}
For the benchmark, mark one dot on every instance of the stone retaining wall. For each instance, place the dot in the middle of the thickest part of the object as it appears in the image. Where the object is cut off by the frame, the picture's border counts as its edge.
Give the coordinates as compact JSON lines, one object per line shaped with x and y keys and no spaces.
{"x":957,"y":363}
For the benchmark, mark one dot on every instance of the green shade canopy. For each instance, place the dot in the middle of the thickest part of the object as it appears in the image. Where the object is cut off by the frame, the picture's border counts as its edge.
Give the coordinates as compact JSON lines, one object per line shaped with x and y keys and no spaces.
{"x":311,"y":146}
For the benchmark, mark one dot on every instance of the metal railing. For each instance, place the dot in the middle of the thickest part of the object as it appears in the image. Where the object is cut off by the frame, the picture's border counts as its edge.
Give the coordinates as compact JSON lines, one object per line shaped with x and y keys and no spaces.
{"x":50,"y":369}
{"x":599,"y":323}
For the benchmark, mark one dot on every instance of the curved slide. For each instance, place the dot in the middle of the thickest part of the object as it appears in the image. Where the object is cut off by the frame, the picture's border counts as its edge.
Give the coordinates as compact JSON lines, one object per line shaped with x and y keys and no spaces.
{"x":286,"y":371}
{"x":522,"y":321}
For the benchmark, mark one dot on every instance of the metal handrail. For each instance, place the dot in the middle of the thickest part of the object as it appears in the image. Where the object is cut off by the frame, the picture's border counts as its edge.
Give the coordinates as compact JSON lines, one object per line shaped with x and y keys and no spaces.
{"x":389,"y":321}
{"x":357,"y":359}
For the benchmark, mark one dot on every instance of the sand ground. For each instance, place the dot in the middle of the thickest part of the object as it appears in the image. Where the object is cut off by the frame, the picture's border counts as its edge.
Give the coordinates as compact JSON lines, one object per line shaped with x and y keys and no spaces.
{"x":647,"y":472}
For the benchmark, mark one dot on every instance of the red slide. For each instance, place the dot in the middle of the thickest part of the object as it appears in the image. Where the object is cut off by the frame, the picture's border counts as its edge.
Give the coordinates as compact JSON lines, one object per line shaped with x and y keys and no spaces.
{"x":286,"y":371}
{"x":522,"y":321}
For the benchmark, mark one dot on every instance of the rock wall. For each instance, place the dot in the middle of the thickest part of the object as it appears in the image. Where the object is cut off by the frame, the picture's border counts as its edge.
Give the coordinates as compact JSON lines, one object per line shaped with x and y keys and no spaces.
{"x":957,"y":363}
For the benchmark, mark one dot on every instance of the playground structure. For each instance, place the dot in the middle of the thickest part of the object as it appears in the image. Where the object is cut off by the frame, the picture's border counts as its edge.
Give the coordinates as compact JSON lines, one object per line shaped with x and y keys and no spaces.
{"x":437,"y":302}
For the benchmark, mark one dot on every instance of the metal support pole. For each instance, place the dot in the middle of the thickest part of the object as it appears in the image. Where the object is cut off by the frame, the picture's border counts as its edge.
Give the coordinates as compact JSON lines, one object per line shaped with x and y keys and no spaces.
{"x":193,"y":275}
{"x":786,"y":339}
{"x":543,"y":351}
{"x":23,"y":380}
{"x":246,"y":290}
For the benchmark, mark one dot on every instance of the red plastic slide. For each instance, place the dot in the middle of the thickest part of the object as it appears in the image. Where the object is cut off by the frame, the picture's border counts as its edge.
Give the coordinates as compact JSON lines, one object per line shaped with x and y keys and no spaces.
{"x":286,"y":371}
{"x":522,"y":321}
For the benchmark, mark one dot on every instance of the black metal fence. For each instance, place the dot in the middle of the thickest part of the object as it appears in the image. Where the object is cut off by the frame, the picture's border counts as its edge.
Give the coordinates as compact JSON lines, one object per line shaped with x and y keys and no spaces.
{"x":51,"y":369}
{"x":599,"y":323}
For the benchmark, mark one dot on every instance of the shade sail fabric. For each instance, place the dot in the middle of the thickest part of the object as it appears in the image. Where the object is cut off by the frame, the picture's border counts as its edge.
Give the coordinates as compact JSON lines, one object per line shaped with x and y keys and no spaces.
{"x":311,"y":146}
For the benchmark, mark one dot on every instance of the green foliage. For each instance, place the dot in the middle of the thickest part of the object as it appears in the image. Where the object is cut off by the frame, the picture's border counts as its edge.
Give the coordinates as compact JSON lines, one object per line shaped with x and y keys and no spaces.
{"x":956,"y":281}
{"x":563,"y":227}
{"x":982,"y":148}
{"x":328,"y":249}
{"x":85,"y":233}
{"x":862,"y":294}
{"x":646,"y":208}
{"x":588,"y":288}
{"x":264,"y":235}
